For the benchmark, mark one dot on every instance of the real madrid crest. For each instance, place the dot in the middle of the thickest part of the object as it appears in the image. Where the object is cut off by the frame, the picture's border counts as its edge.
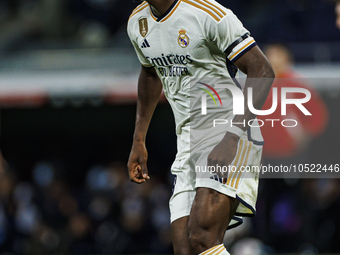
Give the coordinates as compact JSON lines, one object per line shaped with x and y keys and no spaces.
{"x":183,"y":39}
{"x":143,"y":27}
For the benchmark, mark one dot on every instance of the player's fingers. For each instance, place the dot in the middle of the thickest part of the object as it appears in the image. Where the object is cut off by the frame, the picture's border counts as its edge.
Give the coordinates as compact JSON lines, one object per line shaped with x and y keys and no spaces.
{"x":134,"y":172}
{"x":217,"y":166}
{"x":136,"y":175}
{"x":136,"y":180}
{"x":210,"y":161}
{"x":131,"y":170}
{"x":226,"y":172}
{"x":144,"y":171}
{"x":139,"y":173}
{"x":221,"y":167}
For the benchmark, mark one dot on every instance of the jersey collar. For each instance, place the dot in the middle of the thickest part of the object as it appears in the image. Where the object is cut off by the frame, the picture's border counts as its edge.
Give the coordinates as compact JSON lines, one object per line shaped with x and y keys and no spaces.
{"x":167,"y":14}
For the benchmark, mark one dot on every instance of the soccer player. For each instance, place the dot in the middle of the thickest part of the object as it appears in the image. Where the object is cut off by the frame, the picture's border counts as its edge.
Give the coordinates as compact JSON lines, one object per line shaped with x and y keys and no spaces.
{"x":180,"y":42}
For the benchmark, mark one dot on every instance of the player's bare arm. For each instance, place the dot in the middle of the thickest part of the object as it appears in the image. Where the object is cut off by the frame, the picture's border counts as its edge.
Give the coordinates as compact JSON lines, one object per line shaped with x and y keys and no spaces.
{"x":149,"y":90}
{"x":255,"y":65}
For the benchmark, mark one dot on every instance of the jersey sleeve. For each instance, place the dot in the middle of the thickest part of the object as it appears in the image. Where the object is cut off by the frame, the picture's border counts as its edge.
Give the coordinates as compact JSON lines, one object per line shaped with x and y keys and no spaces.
{"x":142,"y":59}
{"x":231,"y":37}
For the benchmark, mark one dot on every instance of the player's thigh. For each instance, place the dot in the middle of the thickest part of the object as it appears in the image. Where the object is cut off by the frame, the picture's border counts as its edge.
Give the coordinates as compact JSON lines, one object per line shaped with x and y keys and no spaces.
{"x":211,"y":213}
{"x":180,"y":239}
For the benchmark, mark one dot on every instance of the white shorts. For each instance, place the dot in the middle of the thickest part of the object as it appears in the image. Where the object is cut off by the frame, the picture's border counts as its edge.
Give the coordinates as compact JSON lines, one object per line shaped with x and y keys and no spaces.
{"x":242,"y":182}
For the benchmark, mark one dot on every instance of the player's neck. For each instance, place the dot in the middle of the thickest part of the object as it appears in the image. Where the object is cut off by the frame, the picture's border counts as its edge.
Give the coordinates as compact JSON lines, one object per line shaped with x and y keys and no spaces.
{"x":160,"y":6}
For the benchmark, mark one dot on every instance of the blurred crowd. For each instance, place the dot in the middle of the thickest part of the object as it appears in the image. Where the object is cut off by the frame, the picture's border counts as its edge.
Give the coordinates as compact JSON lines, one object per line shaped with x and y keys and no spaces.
{"x":106,"y":215}
{"x":299,"y":215}
{"x":102,"y":23}
{"x":81,"y":23}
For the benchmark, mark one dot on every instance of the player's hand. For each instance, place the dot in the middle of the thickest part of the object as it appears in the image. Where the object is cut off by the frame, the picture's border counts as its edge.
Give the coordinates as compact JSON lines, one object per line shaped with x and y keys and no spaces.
{"x":224,"y":153}
{"x":138,"y":171}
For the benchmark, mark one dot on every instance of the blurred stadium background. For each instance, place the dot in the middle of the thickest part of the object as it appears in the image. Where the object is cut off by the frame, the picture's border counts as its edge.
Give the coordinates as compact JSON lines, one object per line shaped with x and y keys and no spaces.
{"x":68,"y":77}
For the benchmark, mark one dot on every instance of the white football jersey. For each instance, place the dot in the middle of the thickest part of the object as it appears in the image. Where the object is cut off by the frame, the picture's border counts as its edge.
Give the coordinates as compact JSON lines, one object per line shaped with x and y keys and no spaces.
{"x":194,"y":39}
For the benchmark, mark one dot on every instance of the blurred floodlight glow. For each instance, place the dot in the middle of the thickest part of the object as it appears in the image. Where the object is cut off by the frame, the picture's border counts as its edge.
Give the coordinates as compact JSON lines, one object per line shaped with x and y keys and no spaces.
{"x":99,"y":178}
{"x":23,"y":193}
{"x":26,"y":219}
{"x":43,"y":174}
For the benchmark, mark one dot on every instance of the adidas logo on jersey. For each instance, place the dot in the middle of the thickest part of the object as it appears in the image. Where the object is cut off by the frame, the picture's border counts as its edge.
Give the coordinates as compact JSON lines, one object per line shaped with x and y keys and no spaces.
{"x":145,"y":44}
